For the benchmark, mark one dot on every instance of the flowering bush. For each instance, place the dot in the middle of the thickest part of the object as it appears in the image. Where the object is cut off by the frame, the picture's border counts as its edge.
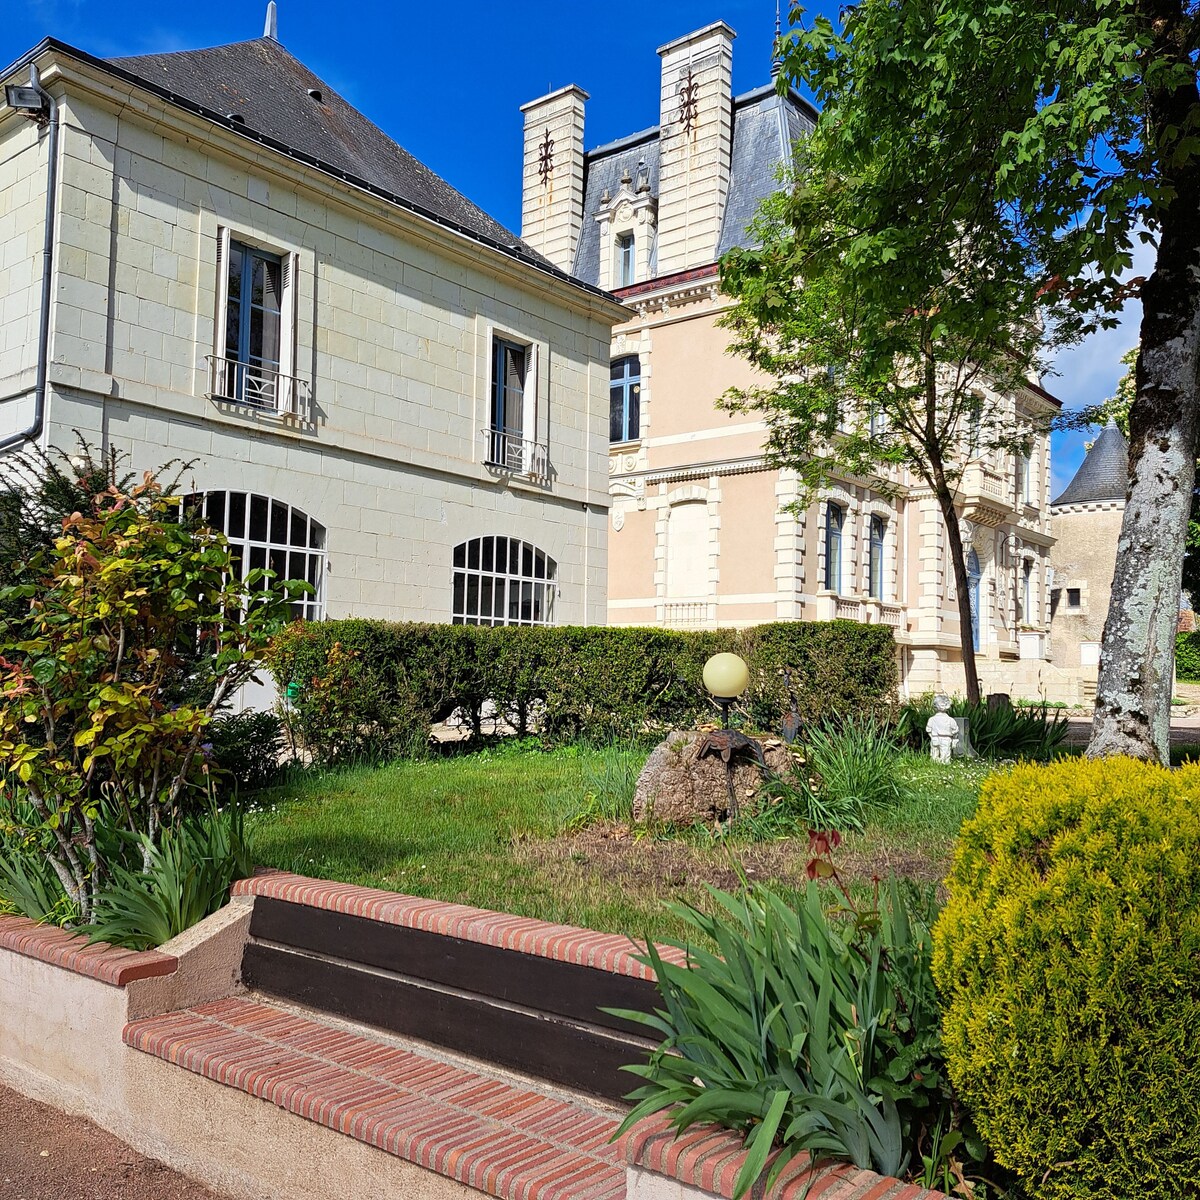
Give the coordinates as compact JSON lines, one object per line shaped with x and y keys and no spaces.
{"x":120,"y":645}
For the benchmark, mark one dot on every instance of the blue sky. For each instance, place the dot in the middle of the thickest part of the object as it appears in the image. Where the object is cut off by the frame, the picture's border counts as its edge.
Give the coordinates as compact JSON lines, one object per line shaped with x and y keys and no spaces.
{"x":447,"y":81}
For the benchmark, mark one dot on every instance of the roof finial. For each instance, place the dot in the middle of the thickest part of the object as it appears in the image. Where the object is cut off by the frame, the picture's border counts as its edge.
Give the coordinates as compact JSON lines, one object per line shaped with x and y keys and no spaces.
{"x":777,"y":55}
{"x":271,"y":25}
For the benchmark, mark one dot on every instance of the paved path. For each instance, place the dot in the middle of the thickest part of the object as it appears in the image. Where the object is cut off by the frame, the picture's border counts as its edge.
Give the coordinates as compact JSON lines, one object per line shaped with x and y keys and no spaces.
{"x":46,"y":1155}
{"x":1185,"y":730}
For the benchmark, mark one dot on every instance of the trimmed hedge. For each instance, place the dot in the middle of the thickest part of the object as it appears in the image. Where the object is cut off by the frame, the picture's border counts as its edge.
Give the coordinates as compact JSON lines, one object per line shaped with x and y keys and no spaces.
{"x":364,"y":688}
{"x":1187,"y":657}
{"x":1068,"y":959}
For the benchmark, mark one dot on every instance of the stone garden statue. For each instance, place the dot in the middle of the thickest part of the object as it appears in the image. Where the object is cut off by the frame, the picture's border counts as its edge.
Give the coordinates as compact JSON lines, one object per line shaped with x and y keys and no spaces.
{"x":942,"y":729}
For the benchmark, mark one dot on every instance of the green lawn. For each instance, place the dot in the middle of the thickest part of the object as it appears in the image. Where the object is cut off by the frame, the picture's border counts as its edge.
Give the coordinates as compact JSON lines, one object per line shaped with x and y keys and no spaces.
{"x":493,"y":829}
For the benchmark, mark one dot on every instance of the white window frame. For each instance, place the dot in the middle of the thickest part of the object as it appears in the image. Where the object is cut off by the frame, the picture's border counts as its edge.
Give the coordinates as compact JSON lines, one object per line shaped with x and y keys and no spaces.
{"x":546,"y":584}
{"x":291,"y":393}
{"x":532,"y":458}
{"x":246,"y":546}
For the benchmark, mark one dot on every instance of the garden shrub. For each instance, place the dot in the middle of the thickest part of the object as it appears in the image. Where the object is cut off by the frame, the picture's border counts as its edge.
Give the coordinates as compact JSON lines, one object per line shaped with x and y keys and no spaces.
{"x":1068,"y":958}
{"x":246,"y":749}
{"x":1187,"y":656}
{"x":360,"y":688}
{"x":1030,"y":731}
{"x":107,"y":633}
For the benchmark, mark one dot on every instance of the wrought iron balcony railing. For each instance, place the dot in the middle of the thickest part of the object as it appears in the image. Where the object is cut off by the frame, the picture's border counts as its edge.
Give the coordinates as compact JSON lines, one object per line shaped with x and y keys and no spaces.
{"x":256,"y":386}
{"x":510,"y":451}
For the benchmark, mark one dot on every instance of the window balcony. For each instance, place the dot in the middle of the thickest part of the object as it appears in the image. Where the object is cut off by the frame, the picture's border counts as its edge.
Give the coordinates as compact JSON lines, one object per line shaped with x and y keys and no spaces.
{"x":509,"y":452}
{"x":986,"y":496}
{"x":234,"y":382}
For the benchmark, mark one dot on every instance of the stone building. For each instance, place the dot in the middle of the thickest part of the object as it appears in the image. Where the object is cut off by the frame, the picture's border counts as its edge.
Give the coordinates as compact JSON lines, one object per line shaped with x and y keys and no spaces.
{"x":1087,"y":526}
{"x":379,"y":388}
{"x":700,"y":532}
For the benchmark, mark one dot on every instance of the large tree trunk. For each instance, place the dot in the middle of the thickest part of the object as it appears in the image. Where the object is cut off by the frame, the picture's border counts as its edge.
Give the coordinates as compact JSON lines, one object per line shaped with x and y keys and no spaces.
{"x":1133,"y":695}
{"x":962,"y":586}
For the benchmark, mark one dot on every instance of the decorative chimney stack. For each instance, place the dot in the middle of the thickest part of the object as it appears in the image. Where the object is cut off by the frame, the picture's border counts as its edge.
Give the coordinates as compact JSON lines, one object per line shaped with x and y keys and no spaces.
{"x":552,"y":181}
{"x":695,"y":139}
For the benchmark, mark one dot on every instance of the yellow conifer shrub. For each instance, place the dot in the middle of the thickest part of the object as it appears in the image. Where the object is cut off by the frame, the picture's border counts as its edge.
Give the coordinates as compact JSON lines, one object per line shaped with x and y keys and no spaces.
{"x":1068,"y":960}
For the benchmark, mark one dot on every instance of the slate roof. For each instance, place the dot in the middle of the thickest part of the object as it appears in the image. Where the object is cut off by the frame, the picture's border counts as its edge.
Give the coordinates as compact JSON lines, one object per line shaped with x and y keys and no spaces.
{"x":1104,"y":472}
{"x":269,"y":89}
{"x":765,"y":127}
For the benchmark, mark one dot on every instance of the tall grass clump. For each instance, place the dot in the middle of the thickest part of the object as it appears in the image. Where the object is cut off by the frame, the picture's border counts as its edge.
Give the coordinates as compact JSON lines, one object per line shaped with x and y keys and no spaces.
{"x":811,"y":1030}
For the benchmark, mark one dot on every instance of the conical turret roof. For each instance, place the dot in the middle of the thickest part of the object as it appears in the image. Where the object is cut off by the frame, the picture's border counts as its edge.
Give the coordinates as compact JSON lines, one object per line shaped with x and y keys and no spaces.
{"x":1104,"y":472}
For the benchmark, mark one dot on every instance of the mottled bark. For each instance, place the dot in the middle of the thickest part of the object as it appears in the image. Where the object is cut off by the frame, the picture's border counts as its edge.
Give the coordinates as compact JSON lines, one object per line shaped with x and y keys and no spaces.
{"x":1133,"y":695}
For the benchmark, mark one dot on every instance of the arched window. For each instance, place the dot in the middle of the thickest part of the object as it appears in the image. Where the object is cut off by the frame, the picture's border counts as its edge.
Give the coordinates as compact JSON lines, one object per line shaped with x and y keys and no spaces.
{"x":834,"y":517}
{"x":624,"y":399}
{"x":503,"y":581}
{"x":878,"y":532}
{"x":267,"y":534}
{"x":1026,"y":615}
{"x":974,"y":574}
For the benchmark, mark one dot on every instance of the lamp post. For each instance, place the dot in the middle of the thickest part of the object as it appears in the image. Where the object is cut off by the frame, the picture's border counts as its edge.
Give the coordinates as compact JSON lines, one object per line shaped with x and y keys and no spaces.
{"x":726,"y":677}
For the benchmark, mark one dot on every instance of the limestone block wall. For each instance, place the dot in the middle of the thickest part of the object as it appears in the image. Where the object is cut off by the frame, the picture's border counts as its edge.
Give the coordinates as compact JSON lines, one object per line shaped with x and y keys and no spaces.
{"x":23,"y":160}
{"x":393,"y":329}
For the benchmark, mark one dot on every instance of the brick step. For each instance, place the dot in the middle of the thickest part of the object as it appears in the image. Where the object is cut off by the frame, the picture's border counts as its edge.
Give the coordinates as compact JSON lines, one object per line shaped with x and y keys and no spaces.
{"x":503,"y":1137}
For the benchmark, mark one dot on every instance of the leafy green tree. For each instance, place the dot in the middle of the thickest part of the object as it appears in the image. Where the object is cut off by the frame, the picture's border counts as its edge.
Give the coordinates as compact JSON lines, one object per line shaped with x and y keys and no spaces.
{"x":93,"y":736}
{"x":38,"y":491}
{"x":1054,"y":133}
{"x":883,"y":354}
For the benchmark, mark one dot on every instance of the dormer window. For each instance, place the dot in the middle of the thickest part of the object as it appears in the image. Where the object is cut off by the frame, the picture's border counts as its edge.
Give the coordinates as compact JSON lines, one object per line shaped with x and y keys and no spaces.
{"x":625,"y":260}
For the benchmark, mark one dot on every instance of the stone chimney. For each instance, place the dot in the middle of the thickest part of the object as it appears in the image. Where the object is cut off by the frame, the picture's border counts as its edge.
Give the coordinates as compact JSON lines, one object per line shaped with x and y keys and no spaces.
{"x":695,"y":138}
{"x":552,"y":179}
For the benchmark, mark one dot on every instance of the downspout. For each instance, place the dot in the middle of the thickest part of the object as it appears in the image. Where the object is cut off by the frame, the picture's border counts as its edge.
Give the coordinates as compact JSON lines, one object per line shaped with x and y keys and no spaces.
{"x":39,"y":388}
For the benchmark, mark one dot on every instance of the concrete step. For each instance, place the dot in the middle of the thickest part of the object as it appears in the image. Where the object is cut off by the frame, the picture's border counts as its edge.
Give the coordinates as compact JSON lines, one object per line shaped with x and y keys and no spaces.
{"x":501,"y":1135}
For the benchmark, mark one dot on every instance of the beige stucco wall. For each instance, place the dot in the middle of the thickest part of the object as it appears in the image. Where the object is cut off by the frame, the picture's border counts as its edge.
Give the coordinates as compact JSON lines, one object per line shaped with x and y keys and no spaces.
{"x":1084,"y":557}
{"x":394,"y":322}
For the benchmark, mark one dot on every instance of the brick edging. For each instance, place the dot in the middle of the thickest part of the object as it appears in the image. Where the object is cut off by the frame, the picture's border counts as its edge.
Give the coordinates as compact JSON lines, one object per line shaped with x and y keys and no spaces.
{"x":709,"y":1158}
{"x":564,"y":943}
{"x":71,"y":952}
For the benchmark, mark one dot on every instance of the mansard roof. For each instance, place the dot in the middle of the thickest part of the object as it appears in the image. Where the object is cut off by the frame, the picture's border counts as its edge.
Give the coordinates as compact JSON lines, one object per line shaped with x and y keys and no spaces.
{"x":1104,"y":472}
{"x":276,"y":95}
{"x":765,"y":128}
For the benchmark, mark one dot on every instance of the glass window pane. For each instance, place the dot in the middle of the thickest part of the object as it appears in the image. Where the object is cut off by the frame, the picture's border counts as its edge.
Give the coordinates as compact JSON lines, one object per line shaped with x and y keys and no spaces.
{"x":539,"y":565}
{"x":214,"y":510}
{"x":633,"y":426}
{"x":485,"y":597}
{"x":514,"y":557}
{"x":316,"y":534}
{"x":616,"y":415}
{"x":473,"y":554}
{"x":460,"y":591}
{"x":279,"y":563}
{"x":460,"y":554}
{"x":526,"y":603}
{"x":472,"y":595}
{"x":258,"y":558}
{"x":279,"y":523}
{"x":258,"y":518}
{"x":488,"y":552}
{"x":526,"y":560}
{"x":299,"y":535}
{"x":236,"y":523}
